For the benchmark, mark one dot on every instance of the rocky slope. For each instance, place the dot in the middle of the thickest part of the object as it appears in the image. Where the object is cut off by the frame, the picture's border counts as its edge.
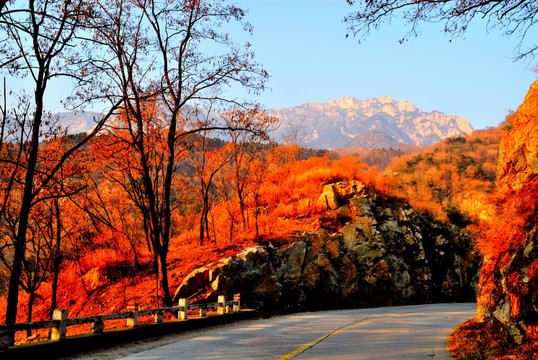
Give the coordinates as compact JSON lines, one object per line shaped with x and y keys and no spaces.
{"x":369,"y":252}
{"x":508,"y":287}
{"x":380,"y":122}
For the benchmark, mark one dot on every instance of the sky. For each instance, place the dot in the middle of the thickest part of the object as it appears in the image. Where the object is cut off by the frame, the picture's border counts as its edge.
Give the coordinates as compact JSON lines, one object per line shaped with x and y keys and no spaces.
{"x":303,"y":46}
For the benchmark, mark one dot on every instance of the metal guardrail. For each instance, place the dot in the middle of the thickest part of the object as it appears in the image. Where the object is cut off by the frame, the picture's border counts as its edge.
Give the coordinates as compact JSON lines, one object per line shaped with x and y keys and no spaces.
{"x":60,"y":321}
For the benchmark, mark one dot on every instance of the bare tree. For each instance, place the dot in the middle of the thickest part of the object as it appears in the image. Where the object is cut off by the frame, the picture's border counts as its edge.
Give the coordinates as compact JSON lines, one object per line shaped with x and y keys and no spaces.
{"x":244,"y":151}
{"x":161,"y":54}
{"x":512,"y":17}
{"x":39,"y":41}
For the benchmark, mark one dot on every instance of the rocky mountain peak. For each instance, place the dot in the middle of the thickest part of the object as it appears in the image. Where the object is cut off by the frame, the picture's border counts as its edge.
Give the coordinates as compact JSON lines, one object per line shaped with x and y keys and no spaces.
{"x":334,"y":124}
{"x":346,"y":102}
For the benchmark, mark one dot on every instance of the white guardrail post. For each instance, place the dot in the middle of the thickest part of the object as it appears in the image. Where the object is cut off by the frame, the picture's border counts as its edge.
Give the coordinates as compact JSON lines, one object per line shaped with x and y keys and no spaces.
{"x":237,"y":303}
{"x":132,"y":322}
{"x":60,"y":332}
{"x":221,"y":310}
{"x":184,"y":305}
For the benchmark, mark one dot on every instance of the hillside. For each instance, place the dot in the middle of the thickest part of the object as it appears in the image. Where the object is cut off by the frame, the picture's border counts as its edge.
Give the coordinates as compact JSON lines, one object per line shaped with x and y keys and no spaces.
{"x":107,"y":267}
{"x":374,"y":123}
{"x":452,"y":179}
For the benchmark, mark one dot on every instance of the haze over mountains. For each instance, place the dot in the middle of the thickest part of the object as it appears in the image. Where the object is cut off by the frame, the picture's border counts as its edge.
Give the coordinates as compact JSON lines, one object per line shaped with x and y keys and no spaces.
{"x":374,"y":123}
{"x":346,"y":123}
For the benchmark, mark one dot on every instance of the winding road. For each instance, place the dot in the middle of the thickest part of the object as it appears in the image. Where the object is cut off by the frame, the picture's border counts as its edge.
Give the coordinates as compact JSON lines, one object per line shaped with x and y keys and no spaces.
{"x":406,"y":332}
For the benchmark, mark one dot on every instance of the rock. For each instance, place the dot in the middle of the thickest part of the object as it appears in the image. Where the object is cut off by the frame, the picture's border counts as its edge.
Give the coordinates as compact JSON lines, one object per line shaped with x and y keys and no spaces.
{"x":393,"y":257}
{"x":502,"y":313}
{"x":508,"y":278}
{"x":329,"y":197}
{"x":195,"y":281}
{"x":348,"y":189}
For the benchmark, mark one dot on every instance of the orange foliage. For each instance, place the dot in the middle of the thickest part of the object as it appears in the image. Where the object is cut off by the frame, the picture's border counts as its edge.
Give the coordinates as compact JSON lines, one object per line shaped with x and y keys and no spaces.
{"x":436,"y":180}
{"x":473,"y":340}
{"x":506,"y":233}
{"x":113,"y":266}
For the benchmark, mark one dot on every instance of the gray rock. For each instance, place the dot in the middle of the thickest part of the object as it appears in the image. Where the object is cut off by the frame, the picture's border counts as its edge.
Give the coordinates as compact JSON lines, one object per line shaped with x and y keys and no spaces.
{"x":395,"y":257}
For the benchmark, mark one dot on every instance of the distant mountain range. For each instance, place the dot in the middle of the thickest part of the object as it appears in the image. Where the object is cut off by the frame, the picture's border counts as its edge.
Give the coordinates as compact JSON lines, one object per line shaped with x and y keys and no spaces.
{"x":344,"y":123}
{"x":374,"y":123}
{"x":78,"y":121}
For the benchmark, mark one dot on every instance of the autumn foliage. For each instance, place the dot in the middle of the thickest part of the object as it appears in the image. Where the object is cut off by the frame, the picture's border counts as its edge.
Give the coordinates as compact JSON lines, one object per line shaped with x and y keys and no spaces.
{"x":506,"y":323}
{"x":451,"y":180}
{"x":107,"y":260}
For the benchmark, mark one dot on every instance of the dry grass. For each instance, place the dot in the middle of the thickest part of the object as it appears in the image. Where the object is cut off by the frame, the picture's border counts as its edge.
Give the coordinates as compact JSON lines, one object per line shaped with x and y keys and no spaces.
{"x":481,"y":341}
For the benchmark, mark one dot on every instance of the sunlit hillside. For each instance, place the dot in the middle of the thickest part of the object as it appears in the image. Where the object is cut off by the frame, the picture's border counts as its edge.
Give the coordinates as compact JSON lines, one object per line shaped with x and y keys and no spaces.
{"x":506,"y":323}
{"x":258,"y":195}
{"x":106,"y":263}
{"x":453,"y":179}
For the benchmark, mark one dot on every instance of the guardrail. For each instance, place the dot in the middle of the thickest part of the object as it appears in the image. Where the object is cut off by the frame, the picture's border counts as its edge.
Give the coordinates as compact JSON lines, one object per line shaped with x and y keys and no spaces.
{"x":60,"y":321}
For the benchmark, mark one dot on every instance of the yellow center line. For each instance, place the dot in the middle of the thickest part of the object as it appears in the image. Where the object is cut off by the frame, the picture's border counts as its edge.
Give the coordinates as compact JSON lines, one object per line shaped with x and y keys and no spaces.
{"x":317,"y":341}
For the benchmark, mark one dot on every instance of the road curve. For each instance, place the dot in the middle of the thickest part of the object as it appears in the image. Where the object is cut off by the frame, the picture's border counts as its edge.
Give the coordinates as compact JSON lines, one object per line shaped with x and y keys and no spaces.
{"x":406,"y":332}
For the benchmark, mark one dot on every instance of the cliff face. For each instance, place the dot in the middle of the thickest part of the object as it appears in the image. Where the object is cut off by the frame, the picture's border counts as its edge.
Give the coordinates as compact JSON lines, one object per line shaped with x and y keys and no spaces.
{"x":518,"y":152}
{"x":508,"y":286}
{"x":369,"y":252}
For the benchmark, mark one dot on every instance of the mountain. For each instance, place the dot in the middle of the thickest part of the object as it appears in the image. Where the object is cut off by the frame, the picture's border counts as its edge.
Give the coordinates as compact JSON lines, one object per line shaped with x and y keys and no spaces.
{"x":77,"y":121}
{"x":374,"y":123}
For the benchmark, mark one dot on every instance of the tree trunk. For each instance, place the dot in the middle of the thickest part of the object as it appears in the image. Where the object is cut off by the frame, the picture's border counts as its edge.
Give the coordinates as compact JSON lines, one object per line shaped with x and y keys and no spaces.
{"x":31,"y":300}
{"x":167,"y":298}
{"x":56,"y":259}
{"x":26,"y":205}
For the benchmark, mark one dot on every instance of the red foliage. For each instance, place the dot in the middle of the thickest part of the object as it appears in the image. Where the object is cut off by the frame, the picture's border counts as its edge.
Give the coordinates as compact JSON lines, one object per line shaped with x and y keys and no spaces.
{"x":507,"y":232}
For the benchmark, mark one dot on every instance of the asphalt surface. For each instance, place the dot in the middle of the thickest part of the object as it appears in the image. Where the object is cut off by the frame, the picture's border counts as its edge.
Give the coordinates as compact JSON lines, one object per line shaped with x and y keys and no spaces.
{"x":407,"y":332}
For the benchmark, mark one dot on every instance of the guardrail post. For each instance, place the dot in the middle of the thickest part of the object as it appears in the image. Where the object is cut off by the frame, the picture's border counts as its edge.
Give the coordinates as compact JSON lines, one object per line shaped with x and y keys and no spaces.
{"x":60,"y":332}
{"x":132,"y":322}
{"x":203,"y":312}
{"x":159,"y":318}
{"x":237,"y":302}
{"x":184,"y":305}
{"x":97,"y":327}
{"x":222,"y":305}
{"x":7,"y":339}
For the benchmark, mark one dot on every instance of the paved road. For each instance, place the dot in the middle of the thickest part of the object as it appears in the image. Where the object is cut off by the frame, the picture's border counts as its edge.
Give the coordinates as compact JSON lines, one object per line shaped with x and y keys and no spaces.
{"x":407,"y":332}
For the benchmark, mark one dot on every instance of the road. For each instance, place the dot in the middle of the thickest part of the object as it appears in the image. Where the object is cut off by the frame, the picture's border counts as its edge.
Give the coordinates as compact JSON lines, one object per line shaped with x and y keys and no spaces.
{"x":407,"y":332}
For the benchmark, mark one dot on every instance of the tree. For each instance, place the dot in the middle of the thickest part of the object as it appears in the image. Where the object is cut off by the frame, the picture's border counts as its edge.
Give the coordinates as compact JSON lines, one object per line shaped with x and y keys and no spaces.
{"x":40,"y":42}
{"x":173,"y":54}
{"x":206,"y":157}
{"x":245,"y":147}
{"x":512,"y":18}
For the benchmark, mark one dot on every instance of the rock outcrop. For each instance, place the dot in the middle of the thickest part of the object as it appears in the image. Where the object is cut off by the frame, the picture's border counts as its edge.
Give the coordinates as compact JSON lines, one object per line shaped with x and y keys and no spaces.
{"x":369,"y":252}
{"x":508,"y":287}
{"x":518,"y":152}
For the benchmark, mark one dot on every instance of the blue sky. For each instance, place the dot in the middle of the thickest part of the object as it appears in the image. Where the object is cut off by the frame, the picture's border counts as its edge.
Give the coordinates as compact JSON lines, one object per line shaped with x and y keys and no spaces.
{"x":302,"y":44}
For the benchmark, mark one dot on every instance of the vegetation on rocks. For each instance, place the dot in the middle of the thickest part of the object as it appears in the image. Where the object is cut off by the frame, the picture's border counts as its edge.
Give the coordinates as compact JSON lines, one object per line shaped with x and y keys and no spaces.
{"x":507,"y":299}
